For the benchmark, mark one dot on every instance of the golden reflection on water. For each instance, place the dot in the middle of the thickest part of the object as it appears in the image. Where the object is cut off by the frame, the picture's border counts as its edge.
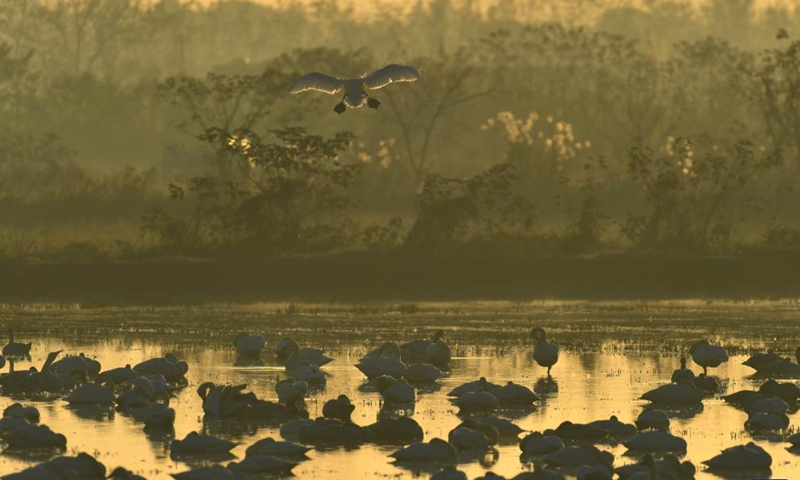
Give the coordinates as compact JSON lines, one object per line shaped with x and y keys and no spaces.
{"x":588,"y":383}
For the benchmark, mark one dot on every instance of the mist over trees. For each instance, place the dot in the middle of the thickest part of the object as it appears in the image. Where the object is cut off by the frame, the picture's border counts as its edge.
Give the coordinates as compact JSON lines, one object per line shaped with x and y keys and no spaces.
{"x":132,"y":129}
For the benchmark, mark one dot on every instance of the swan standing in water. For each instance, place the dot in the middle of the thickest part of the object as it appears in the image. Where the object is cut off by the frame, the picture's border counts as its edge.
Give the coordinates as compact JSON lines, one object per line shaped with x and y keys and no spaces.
{"x":355,"y":89}
{"x":652,"y":419}
{"x":544,"y":352}
{"x":683,"y":374}
{"x":707,"y":355}
{"x":15,"y":349}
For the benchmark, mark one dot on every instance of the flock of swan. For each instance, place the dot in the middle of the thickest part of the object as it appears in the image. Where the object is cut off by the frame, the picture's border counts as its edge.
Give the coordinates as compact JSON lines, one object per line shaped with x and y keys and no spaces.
{"x":396,"y":371}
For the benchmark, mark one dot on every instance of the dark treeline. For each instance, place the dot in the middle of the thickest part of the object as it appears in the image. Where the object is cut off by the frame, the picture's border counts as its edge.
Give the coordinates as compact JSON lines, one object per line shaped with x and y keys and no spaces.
{"x":135,"y":129}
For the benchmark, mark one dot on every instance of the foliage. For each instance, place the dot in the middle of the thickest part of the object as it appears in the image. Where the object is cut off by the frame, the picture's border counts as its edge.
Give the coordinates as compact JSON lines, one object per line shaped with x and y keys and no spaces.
{"x":693,"y":199}
{"x":453,"y":211}
{"x":292,"y":198}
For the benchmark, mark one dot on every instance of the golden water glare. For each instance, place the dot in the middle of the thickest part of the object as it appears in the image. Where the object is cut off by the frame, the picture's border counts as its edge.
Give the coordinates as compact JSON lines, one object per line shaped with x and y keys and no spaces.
{"x":609,"y":358}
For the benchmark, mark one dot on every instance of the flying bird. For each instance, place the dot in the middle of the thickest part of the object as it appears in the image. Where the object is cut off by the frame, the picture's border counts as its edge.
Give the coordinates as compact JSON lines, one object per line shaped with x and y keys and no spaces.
{"x":355,"y":89}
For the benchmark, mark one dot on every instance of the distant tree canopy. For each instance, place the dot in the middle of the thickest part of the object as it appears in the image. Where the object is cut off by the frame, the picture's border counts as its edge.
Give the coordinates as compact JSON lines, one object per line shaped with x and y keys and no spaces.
{"x":566,"y":128}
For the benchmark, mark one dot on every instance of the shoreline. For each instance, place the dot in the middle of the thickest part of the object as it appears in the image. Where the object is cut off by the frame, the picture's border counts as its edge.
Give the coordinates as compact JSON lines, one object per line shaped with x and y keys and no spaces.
{"x":400,"y":277}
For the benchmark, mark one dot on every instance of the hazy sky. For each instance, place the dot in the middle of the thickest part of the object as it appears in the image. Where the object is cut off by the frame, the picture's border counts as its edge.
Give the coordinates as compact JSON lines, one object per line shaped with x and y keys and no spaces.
{"x":372,"y":5}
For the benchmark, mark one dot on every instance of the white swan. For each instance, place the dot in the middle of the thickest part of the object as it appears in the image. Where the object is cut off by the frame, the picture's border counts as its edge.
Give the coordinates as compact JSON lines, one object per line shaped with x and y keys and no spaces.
{"x":674,"y":393}
{"x":480,"y":385}
{"x":741,"y":456}
{"x":596,"y":472}
{"x":159,"y":415}
{"x":760,"y":361}
{"x":707,"y":355}
{"x":340,"y":408}
{"x":767,"y":421}
{"x":397,"y":431}
{"x":35,"y":436}
{"x":263,"y":465}
{"x":387,"y":362}
{"x":465,"y":439}
{"x":355,"y":89}
{"x":249,"y":345}
{"x":683,"y":374}
{"x":309,"y":373}
{"x":513,"y":394}
{"x":82,"y":466}
{"x":16,"y":349}
{"x":476,"y":402}
{"x":652,"y":419}
{"x":545,"y":353}
{"x":119,"y":374}
{"x":92,"y":394}
{"x":508,"y":431}
{"x":121,"y":473}
{"x":436,"y":450}
{"x":395,"y":392}
{"x":268,"y":447}
{"x":438,"y":352}
{"x":289,"y":390}
{"x":577,"y":456}
{"x":292,"y":355}
{"x":449,"y":473}
{"x":422,"y":373}
{"x":214,"y":472}
{"x":537,"y":443}
{"x":168,"y":366}
{"x":195,"y":444}
{"x":16,"y":410}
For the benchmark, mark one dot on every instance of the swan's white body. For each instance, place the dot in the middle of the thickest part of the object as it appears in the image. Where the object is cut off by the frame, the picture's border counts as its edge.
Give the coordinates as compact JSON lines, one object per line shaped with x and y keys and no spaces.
{"x":355,"y":89}
{"x":741,"y":456}
{"x":544,"y":353}
{"x":707,"y":355}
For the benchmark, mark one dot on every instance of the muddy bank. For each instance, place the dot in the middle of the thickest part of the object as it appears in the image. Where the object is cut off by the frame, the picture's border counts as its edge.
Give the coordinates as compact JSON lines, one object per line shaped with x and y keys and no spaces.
{"x":399,"y":277}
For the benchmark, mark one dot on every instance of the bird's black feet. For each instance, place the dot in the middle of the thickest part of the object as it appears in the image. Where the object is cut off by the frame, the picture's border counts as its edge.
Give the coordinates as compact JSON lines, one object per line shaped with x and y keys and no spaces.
{"x":373,"y":103}
{"x":339,"y":108}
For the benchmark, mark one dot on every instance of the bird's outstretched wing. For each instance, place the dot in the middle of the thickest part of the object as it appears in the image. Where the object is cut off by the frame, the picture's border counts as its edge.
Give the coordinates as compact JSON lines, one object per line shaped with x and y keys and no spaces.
{"x":389,"y":74}
{"x":316,"y":81}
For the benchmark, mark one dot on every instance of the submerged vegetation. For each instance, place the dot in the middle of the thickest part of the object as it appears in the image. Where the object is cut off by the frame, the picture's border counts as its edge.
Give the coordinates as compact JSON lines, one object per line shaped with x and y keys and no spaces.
{"x":134,"y":130}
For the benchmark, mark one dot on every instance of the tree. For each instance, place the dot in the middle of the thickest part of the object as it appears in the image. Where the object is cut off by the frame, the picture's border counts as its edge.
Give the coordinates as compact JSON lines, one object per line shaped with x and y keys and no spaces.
{"x":89,"y":36}
{"x":693,"y":199}
{"x":451,"y":82}
{"x":454,"y":211}
{"x":224,"y":103}
{"x":293,"y":200}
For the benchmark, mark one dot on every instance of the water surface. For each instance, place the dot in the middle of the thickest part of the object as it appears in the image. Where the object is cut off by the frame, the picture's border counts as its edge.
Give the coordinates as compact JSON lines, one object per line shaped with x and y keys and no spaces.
{"x":611,"y":354}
